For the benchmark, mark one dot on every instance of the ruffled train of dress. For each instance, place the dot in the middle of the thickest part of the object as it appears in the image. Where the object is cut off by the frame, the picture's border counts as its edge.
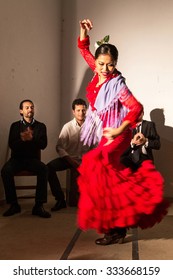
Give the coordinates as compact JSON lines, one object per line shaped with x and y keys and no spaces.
{"x":113,"y":196}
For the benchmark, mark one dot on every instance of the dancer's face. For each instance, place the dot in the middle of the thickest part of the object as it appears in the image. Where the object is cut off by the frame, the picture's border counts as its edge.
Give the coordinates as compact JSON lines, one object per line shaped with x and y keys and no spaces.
{"x":105,"y":65}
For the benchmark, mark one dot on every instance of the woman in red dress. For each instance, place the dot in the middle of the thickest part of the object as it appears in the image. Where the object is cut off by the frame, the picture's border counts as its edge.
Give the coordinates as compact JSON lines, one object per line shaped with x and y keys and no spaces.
{"x":113,"y":197}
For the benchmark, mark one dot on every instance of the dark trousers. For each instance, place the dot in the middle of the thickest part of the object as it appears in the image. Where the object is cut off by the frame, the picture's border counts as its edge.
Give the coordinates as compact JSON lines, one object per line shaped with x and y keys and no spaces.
{"x":15,"y":165}
{"x":58,"y":164}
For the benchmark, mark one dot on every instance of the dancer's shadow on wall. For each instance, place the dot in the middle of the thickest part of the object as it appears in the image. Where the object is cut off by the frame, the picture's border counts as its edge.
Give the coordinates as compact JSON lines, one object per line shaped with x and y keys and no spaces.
{"x":164,"y":157}
{"x":86,"y":79}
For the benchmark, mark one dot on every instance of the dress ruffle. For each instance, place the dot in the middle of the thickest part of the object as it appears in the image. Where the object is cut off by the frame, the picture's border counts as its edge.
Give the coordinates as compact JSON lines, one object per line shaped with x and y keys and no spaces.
{"x":113,"y":196}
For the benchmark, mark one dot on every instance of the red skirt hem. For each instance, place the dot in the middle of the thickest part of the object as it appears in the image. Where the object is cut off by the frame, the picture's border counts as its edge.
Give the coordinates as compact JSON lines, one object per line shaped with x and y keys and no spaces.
{"x":118,"y":197}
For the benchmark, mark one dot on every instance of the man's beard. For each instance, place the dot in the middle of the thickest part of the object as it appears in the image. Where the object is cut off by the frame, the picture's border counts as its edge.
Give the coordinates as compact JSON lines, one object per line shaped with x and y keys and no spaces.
{"x":30,"y":115}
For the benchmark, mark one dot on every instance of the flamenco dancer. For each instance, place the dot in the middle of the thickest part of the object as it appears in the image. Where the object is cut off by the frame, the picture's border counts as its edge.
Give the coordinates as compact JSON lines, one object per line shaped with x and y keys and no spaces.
{"x":112,"y":196}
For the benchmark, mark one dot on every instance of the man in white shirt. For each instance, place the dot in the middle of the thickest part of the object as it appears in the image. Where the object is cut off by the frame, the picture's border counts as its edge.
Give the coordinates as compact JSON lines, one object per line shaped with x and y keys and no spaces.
{"x":70,"y":150}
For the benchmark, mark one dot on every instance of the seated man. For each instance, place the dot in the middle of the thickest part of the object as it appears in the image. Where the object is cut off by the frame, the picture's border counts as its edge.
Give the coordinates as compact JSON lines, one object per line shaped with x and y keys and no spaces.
{"x":70,"y":150}
{"x":145,"y":139}
{"x":26,"y":138}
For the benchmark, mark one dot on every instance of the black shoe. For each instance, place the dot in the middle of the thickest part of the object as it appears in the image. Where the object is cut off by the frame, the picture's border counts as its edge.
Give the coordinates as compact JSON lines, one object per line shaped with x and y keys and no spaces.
{"x":14,"y":209}
{"x":111,"y":239}
{"x":118,"y":230}
{"x":40,"y":211}
{"x":59,"y":205}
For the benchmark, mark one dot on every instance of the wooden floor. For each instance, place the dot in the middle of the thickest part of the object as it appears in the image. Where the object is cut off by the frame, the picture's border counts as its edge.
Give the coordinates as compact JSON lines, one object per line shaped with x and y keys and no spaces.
{"x":27,"y":237}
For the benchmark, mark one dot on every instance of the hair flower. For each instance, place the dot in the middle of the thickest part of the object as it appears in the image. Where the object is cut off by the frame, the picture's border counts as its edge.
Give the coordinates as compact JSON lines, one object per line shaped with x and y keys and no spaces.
{"x":105,"y":40}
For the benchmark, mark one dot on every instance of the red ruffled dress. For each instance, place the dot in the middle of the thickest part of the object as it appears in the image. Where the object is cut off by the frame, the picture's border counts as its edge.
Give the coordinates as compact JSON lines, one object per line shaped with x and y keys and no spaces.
{"x":112,"y":195}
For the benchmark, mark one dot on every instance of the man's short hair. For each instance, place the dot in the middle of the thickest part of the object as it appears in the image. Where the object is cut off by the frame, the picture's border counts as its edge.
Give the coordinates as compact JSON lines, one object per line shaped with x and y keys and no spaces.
{"x":78,"y":101}
{"x":23,"y":101}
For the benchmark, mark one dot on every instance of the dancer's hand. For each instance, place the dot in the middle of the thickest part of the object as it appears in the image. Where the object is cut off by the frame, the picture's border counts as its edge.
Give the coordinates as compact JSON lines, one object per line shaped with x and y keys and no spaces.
{"x":85,"y":26}
{"x":111,"y":133}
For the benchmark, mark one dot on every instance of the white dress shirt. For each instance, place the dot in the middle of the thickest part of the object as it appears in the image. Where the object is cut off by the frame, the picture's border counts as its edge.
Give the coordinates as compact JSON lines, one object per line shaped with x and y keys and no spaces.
{"x":69,"y":143}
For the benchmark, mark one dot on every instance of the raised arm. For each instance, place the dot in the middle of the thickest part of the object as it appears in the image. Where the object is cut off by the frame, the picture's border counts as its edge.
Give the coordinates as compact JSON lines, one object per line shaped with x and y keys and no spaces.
{"x":85,"y":26}
{"x":84,"y":42}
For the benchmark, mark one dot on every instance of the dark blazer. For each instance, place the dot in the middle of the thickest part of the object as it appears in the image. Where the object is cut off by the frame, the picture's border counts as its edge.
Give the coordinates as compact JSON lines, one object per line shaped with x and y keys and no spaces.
{"x":148,"y":129}
{"x":133,"y":157}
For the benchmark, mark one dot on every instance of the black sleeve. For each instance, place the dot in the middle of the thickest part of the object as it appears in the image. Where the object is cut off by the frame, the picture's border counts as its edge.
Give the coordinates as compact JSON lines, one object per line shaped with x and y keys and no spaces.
{"x":40,"y":136}
{"x":153,"y":138}
{"x":15,"y":142}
